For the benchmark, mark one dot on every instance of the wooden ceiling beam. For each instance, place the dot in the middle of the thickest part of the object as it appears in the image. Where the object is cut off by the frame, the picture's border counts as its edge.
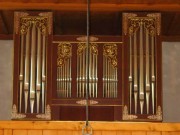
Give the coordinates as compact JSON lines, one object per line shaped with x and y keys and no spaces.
{"x":82,"y":6}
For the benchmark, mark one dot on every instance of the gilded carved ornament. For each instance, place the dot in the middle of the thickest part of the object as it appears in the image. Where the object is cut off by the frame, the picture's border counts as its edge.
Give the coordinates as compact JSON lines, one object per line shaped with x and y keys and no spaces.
{"x":157,"y":17}
{"x":47,"y":115}
{"x":126,"y":115}
{"x":17,"y":16}
{"x":64,"y":51}
{"x":23,"y":21}
{"x":15,"y":114}
{"x":152,"y":22}
{"x":50,"y":18}
{"x":157,"y":116}
{"x":148,"y":23}
{"x":39,"y":22}
{"x":110,"y":51}
{"x":126,"y":16}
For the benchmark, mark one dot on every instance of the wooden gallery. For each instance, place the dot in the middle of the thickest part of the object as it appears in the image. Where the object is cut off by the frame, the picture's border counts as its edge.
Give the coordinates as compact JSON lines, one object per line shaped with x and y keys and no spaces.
{"x":89,"y":67}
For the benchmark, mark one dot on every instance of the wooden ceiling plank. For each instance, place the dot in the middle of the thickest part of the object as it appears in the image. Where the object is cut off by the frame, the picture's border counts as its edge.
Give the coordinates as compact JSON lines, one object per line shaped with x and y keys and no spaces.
{"x":94,"y":6}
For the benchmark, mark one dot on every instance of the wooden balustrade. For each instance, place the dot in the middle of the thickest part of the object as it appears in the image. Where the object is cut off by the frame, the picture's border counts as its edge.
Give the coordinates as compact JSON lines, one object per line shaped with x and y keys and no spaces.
{"x":99,"y":128}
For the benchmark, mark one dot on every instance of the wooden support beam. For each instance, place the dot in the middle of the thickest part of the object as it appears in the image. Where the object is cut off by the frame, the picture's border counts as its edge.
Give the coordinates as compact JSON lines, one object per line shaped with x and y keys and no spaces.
{"x":3,"y":26}
{"x":94,"y":6}
{"x":6,"y":37}
{"x":171,"y":38}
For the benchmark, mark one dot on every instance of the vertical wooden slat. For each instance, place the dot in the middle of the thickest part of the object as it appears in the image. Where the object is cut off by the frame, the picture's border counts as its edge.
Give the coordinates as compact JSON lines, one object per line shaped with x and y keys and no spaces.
{"x":65,"y":132}
{"x":139,"y":133}
{"x":50,"y":132}
{"x":8,"y":132}
{"x":109,"y":133}
{"x":20,"y":132}
{"x":123,"y":132}
{"x":34,"y":132}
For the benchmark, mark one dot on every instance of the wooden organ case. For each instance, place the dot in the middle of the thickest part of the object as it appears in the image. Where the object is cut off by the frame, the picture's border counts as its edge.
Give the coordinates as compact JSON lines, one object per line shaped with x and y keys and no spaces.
{"x":51,"y":73}
{"x":32,"y":40}
{"x":142,"y":77}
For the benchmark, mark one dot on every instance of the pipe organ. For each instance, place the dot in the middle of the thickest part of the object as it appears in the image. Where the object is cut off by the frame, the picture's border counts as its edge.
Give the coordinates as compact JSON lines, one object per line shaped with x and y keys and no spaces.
{"x":31,"y":43}
{"x":142,"y":40}
{"x":52,"y":73}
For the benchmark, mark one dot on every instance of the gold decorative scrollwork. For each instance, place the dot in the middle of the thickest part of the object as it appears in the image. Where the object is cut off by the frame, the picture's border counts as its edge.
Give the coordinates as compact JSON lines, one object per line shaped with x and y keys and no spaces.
{"x":150,"y":26}
{"x":157,"y":17}
{"x":148,"y":23}
{"x":134,"y":25}
{"x":47,"y":115}
{"x":17,"y":17}
{"x":158,"y":115}
{"x":50,"y":18}
{"x":126,"y":16}
{"x":64,"y":51}
{"x":81,"y":47}
{"x":110,"y":51}
{"x":126,"y":115}
{"x":94,"y":48}
{"x":15,"y":114}
{"x":84,"y":39}
{"x":40,"y":22}
{"x":84,"y":102}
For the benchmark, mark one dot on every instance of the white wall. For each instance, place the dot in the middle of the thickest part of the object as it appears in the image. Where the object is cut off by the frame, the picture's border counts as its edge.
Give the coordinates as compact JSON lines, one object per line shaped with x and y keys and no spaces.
{"x":171,"y":80}
{"x":6,"y":78}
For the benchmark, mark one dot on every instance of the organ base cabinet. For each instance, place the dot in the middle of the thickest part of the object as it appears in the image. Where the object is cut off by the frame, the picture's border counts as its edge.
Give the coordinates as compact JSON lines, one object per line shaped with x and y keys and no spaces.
{"x":53,"y":72}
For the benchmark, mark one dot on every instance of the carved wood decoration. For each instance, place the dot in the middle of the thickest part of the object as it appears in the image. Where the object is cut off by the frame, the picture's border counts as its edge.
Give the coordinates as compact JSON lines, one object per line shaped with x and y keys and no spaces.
{"x":32,"y":32}
{"x":141,"y":34}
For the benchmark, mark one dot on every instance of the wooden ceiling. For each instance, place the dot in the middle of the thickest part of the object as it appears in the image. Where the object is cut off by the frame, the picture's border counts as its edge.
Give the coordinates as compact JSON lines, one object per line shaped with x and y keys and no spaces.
{"x":106,"y":15}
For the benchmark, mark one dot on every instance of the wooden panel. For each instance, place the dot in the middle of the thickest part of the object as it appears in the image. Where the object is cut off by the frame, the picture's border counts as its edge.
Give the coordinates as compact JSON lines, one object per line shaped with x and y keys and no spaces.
{"x":77,"y":132}
{"x":97,"y":132}
{"x":153,"y":133}
{"x":99,"y":126}
{"x":50,"y":132}
{"x":66,"y":132}
{"x":138,"y":133}
{"x":123,"y":133}
{"x":108,"y":132}
{"x":170,"y":133}
{"x":34,"y":132}
{"x":20,"y":132}
{"x":1,"y":132}
{"x":8,"y":132}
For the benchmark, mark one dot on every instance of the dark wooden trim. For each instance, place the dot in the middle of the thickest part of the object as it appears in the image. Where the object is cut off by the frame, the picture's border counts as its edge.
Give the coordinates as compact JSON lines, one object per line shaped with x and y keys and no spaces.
{"x":6,"y":37}
{"x":175,"y":38}
{"x":94,"y":6}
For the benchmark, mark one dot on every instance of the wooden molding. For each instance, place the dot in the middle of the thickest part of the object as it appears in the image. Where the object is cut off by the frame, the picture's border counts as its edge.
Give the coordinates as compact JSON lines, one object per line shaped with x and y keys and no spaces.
{"x":69,"y":125}
{"x":164,"y":38}
{"x":6,"y":37}
{"x":94,"y":6}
